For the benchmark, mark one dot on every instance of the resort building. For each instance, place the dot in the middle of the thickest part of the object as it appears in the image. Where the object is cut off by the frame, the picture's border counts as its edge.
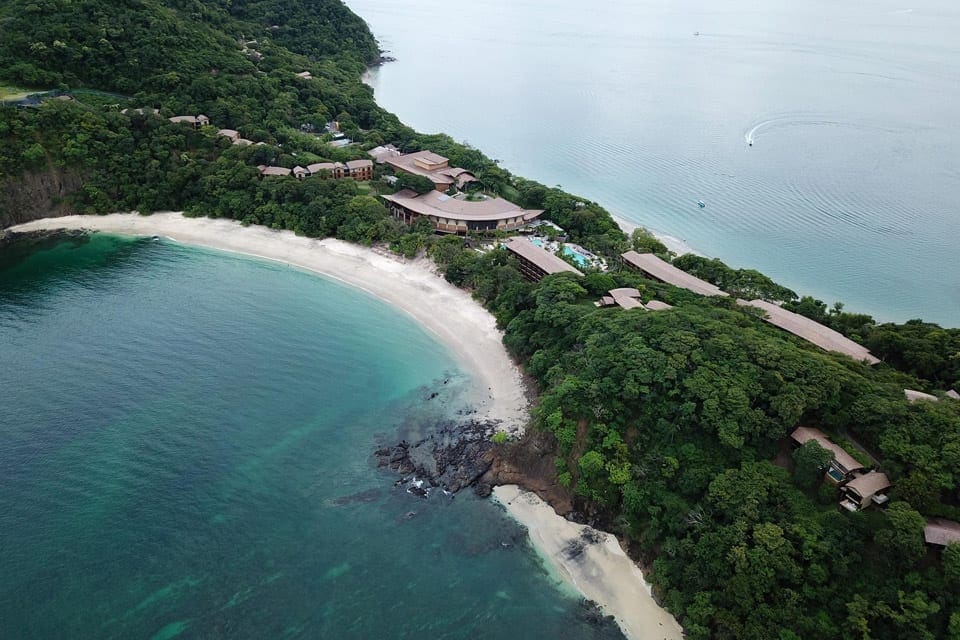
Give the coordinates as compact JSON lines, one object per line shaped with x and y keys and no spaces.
{"x":432,"y":166}
{"x":381,"y":153}
{"x":300,"y":173}
{"x":914,"y":396}
{"x":457,"y":214}
{"x":941,"y":532}
{"x":273,"y":171}
{"x":662,"y":271}
{"x":197,"y":121}
{"x":811,"y":331}
{"x":535,"y":263}
{"x":843,"y":464}
{"x":584,"y":259}
{"x":953,"y":395}
{"x":334,"y":170}
{"x":305,"y":75}
{"x":865,"y":490}
{"x":360,"y":169}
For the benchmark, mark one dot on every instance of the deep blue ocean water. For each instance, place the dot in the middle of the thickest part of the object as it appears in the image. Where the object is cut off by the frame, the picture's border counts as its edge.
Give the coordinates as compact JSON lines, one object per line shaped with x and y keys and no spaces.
{"x":185,"y":451}
{"x":851,"y":190}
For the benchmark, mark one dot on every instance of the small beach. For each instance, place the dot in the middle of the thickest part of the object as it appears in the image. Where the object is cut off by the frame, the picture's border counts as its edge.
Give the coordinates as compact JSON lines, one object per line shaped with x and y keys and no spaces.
{"x":457,"y":320}
{"x":594,"y":563}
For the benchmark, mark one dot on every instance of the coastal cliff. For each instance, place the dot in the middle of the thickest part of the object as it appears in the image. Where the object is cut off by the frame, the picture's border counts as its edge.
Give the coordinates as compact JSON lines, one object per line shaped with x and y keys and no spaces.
{"x":37,"y":194}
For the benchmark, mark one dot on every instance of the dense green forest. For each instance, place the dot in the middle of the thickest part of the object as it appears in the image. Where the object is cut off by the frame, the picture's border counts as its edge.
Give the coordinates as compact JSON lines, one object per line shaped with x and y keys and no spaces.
{"x":669,"y":426}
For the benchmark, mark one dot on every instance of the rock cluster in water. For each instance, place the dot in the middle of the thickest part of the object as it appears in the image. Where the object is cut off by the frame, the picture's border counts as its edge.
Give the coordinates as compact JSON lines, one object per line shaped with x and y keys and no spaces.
{"x":452,"y":457}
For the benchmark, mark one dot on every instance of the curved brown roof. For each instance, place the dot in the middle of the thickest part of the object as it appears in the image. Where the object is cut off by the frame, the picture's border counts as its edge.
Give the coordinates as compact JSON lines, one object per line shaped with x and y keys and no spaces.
{"x":441,"y":205}
{"x":869,"y":483}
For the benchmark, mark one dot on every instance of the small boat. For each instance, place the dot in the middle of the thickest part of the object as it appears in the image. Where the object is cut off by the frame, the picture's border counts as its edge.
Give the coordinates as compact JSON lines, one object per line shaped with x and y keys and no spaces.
{"x":696,"y":33}
{"x":701,"y":203}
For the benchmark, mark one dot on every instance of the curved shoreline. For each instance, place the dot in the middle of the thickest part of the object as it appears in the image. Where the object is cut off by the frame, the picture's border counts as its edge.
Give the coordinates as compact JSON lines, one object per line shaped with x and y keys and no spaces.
{"x":449,"y":313}
{"x":603,"y":572}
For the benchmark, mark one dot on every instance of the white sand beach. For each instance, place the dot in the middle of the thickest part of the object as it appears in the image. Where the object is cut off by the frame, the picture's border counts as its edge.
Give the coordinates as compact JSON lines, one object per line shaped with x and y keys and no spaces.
{"x":460,"y":322}
{"x":602,"y":572}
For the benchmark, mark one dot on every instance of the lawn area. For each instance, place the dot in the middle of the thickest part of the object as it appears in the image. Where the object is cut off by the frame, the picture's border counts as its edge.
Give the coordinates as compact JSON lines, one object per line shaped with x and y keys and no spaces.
{"x":14,"y":93}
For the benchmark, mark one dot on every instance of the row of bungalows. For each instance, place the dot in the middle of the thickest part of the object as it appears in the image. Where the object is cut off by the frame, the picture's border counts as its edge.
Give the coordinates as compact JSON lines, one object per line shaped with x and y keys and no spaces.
{"x":458,"y":214}
{"x":811,"y":331}
{"x":662,"y":271}
{"x":432,"y":166}
{"x":356,"y":169}
{"x":629,"y":298}
{"x":859,"y":489}
{"x":536,"y":263}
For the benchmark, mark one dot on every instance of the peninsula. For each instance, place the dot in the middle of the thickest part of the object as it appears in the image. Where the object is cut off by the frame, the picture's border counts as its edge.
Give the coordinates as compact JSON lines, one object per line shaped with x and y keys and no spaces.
{"x":665,"y":411}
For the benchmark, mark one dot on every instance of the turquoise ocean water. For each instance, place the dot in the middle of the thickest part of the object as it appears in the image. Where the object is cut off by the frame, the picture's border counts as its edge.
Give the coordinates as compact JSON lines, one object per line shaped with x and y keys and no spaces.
{"x":185,"y":451}
{"x":851,"y":190}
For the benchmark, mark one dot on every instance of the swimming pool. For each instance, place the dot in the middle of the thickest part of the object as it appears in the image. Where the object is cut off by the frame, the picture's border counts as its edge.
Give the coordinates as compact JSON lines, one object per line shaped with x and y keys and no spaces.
{"x":581,"y":259}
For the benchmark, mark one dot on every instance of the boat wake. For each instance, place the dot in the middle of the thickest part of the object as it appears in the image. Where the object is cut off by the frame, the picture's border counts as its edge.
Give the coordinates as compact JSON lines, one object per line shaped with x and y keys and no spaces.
{"x":818,"y":120}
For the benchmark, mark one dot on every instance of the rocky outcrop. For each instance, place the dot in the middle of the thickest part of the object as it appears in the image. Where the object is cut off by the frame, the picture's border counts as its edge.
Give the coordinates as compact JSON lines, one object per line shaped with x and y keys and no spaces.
{"x":456,"y":455}
{"x":35,"y":195}
{"x":452,"y":457}
{"x":36,"y":239}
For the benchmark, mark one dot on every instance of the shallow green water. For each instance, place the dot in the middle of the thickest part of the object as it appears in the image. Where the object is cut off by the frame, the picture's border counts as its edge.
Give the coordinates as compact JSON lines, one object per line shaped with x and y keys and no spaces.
{"x":185,"y":451}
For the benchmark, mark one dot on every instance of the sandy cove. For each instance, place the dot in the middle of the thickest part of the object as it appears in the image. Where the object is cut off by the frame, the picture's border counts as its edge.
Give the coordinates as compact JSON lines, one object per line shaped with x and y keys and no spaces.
{"x":598,"y":568}
{"x":603,"y":572}
{"x":458,"y":321}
